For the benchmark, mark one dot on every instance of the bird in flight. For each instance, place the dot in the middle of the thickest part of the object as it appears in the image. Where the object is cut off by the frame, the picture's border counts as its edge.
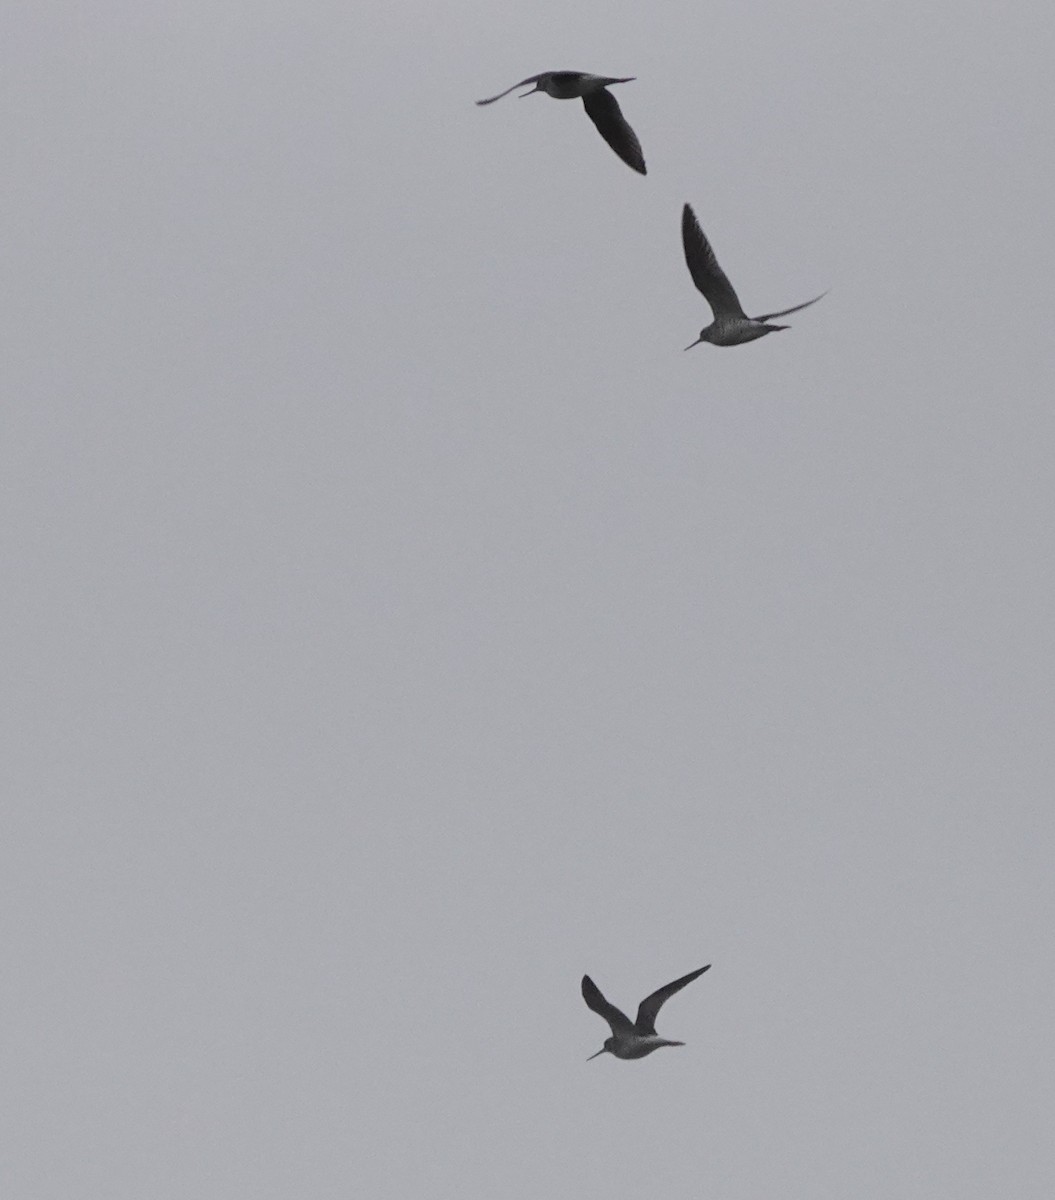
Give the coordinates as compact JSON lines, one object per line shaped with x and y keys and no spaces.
{"x":601,"y":106}
{"x":638,"y":1038}
{"x":731,"y":326}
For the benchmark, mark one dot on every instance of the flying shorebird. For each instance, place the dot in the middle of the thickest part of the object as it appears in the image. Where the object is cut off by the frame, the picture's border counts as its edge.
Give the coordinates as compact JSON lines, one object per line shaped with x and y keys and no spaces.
{"x":600,"y":104}
{"x":731,"y":325}
{"x":638,"y":1038}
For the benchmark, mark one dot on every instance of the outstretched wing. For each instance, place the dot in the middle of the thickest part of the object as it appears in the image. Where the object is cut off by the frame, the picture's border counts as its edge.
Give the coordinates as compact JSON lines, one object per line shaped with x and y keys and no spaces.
{"x":619,"y":1021}
{"x":706,"y":274}
{"x":606,"y":114}
{"x":650,"y":1006}
{"x":530,"y":79}
{"x":785,"y":311}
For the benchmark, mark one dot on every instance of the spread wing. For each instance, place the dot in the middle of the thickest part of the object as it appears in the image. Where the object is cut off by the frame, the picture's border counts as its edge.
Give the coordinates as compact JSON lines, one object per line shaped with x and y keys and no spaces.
{"x":530,"y":79}
{"x":706,"y":274}
{"x":606,"y":114}
{"x":785,"y":311}
{"x":650,"y":1006}
{"x":619,"y":1021}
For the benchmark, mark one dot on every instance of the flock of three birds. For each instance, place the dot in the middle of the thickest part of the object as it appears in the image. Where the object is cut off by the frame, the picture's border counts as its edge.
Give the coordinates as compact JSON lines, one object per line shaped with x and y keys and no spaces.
{"x":731,"y":325}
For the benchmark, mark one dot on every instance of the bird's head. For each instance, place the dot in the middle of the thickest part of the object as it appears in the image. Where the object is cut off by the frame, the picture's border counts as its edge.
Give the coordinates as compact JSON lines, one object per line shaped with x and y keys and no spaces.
{"x":705,"y":336}
{"x":605,"y":1049}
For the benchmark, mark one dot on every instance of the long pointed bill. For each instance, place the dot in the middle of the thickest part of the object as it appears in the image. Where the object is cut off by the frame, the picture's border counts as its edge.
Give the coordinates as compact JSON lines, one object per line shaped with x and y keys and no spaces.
{"x":603,"y":1050}
{"x":695,"y":343}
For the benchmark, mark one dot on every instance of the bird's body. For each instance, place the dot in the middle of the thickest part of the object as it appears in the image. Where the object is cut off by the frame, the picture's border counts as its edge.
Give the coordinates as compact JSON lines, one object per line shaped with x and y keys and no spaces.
{"x":731,"y":325}
{"x":636,"y":1047}
{"x":601,"y":107}
{"x":568,"y":85}
{"x":634,"y":1039}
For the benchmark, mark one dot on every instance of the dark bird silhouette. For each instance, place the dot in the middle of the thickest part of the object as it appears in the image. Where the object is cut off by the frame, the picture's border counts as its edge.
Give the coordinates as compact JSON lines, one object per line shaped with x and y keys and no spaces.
{"x":601,"y":106}
{"x":638,"y":1038}
{"x":731,"y":325}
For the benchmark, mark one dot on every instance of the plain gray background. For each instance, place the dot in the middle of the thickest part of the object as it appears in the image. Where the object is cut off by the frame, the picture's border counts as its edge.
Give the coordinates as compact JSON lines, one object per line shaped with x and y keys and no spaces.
{"x":397,"y":624}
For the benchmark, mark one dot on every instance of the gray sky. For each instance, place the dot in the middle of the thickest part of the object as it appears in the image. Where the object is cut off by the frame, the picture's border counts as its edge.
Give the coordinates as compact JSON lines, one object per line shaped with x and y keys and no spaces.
{"x":397,"y":624}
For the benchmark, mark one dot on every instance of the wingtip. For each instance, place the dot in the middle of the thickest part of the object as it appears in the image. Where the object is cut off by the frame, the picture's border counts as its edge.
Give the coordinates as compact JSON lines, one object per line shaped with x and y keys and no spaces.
{"x":696,"y":974}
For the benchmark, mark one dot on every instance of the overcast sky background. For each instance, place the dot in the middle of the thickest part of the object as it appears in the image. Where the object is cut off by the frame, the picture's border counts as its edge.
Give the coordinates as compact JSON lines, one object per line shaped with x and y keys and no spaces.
{"x":397,"y":624}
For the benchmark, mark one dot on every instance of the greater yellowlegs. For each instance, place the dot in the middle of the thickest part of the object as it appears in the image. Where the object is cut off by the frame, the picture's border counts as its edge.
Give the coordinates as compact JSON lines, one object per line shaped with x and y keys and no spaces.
{"x":731,"y":325}
{"x":638,"y":1038}
{"x":600,"y":104}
